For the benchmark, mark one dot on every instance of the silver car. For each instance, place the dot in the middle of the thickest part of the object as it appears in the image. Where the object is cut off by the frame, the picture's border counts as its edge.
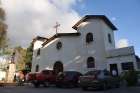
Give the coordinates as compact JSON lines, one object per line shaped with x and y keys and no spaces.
{"x":98,"y":79}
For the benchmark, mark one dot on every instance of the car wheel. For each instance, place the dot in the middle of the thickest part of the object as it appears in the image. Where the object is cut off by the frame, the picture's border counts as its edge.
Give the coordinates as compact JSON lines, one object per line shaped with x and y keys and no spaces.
{"x":58,"y":85}
{"x":104,"y":86}
{"x":36,"y":85}
{"x":71,"y":85}
{"x":84,"y":88}
{"x":46,"y":84}
{"x":117,"y":85}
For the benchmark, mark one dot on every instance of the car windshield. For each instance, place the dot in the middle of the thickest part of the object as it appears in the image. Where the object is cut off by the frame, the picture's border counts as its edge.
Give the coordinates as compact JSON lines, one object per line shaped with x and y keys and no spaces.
{"x":46,"y":71}
{"x":71,"y":74}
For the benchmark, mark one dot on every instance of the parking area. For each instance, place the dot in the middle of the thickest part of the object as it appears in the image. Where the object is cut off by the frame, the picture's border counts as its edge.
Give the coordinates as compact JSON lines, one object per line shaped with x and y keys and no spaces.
{"x":29,"y":89}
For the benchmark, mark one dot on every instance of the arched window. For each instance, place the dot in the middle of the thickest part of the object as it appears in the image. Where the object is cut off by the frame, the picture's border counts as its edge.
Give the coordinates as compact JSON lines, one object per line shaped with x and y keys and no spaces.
{"x":37,"y":68}
{"x":109,"y":38}
{"x":90,"y":62}
{"x":38,"y":52}
{"x":89,"y":37}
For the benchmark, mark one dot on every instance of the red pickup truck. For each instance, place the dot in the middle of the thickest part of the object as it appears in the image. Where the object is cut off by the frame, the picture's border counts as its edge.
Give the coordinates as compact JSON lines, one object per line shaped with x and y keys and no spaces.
{"x":45,"y":78}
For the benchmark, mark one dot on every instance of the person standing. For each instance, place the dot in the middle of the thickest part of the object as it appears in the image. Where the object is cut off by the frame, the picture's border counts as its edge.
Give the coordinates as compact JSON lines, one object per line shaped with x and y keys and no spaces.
{"x":114,"y":73}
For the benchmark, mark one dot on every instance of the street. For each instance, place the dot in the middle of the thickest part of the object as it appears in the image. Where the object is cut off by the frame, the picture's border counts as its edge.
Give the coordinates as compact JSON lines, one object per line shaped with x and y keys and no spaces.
{"x":27,"y":89}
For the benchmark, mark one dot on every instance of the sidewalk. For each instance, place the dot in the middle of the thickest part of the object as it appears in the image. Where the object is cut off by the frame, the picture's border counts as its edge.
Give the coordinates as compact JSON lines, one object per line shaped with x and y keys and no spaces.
{"x":7,"y":84}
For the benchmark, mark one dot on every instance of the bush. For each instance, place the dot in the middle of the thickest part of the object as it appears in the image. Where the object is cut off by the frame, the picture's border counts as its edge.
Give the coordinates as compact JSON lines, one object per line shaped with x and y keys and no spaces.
{"x":131,"y":78}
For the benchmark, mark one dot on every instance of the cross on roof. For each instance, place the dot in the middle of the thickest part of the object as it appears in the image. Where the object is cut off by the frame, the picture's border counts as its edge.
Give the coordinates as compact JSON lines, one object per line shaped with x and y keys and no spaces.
{"x":56,"y":26}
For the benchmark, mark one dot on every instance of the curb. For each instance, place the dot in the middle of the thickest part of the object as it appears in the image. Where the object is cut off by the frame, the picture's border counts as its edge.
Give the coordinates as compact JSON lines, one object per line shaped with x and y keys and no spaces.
{"x":8,"y":84}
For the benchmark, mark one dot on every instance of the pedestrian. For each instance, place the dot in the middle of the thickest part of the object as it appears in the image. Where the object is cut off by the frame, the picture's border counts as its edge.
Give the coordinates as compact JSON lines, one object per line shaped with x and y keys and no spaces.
{"x":114,"y":73}
{"x":21,"y":78}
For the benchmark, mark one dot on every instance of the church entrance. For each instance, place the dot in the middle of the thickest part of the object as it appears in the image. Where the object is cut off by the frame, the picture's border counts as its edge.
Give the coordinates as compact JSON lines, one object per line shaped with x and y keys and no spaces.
{"x":58,"y":67}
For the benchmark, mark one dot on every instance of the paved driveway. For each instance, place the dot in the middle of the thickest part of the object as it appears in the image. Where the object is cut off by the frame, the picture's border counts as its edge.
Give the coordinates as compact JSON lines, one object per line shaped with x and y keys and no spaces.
{"x":25,"y":89}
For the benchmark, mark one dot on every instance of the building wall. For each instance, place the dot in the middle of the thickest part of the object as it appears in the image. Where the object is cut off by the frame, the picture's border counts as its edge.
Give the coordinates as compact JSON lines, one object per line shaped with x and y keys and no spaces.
{"x":38,"y":44}
{"x":121,"y":55}
{"x":95,"y":49}
{"x":122,"y":59}
{"x":75,"y":50}
{"x":67,"y":54}
{"x":107,"y":30}
{"x":35,"y":58}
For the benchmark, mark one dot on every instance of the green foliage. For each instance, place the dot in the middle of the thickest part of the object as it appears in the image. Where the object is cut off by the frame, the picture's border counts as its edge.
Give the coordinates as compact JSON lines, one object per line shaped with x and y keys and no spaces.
{"x":3,"y":32}
{"x":29,"y":54}
{"x":131,"y":77}
{"x":3,"y":39}
{"x":20,"y":57}
{"x":28,"y":60}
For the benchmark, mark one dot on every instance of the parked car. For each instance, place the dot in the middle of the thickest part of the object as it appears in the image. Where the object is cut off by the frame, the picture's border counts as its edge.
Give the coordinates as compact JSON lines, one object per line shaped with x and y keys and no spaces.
{"x":45,"y":78}
{"x":98,"y":79}
{"x":30,"y":77}
{"x":68,"y":79}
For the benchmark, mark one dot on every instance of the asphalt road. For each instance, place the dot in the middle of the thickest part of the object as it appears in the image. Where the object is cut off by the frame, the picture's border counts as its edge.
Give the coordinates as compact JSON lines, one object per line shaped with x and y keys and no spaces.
{"x":26,"y":89}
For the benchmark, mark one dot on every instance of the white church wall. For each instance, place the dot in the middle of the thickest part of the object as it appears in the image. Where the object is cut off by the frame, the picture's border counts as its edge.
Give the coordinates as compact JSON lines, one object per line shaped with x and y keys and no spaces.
{"x":122,"y":59}
{"x":38,"y":44}
{"x":107,"y":30}
{"x":35,"y":58}
{"x":69,"y":54}
{"x":95,"y":49}
{"x":75,"y":50}
{"x":35,"y":61}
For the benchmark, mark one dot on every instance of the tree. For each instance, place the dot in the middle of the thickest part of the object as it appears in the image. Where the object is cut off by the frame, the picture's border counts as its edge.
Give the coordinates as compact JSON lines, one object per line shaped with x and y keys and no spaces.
{"x":3,"y":30}
{"x":28,"y":59}
{"x":19,"y":57}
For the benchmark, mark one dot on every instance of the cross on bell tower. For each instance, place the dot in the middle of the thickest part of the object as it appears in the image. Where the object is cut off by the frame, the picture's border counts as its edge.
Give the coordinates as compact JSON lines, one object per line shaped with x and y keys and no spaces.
{"x":56,"y":27}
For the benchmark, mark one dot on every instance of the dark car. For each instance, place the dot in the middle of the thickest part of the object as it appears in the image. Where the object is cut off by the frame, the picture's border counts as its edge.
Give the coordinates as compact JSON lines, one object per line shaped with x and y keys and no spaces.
{"x":68,"y":79}
{"x":98,"y":79}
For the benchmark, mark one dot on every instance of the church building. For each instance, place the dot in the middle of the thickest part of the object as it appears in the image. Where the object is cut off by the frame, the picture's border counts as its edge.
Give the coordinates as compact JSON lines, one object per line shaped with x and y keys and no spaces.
{"x":91,"y":47}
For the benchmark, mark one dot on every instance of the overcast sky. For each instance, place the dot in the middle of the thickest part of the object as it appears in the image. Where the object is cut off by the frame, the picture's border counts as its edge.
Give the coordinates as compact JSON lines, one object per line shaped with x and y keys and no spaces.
{"x":28,"y":18}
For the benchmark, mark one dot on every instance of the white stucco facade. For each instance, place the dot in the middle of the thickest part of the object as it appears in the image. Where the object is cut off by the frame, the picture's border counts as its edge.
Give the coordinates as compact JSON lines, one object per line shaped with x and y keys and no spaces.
{"x":120,"y":56}
{"x":75,"y":50}
{"x":38,"y":44}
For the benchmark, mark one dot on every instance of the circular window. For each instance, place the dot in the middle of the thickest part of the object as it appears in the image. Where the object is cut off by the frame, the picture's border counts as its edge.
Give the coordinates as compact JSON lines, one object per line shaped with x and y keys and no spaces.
{"x":59,"y":45}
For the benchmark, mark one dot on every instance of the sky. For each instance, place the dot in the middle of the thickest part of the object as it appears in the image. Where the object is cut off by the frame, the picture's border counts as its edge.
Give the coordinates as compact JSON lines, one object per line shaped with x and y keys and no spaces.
{"x":28,"y":18}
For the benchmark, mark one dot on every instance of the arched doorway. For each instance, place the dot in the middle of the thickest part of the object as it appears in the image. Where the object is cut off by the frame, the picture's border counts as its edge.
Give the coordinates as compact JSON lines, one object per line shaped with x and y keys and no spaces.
{"x":90,"y":62}
{"x":58,"y":67}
